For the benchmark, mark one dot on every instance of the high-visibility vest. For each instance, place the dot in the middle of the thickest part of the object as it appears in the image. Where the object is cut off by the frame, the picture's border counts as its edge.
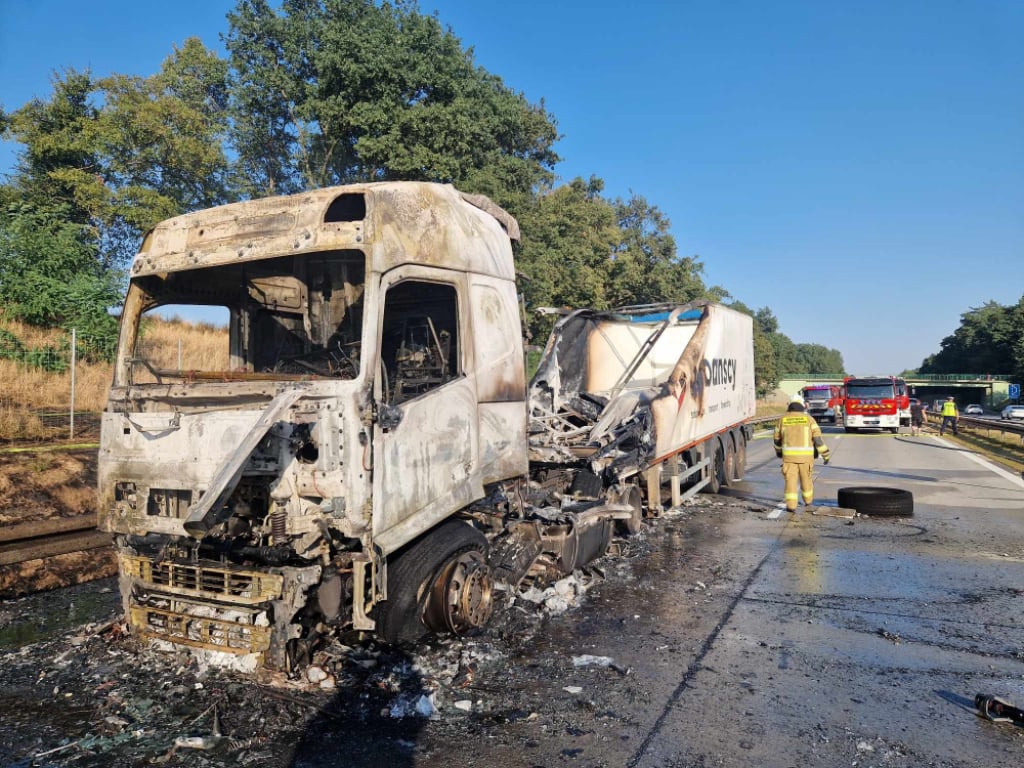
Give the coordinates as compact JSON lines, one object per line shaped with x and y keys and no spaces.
{"x":949,"y":408}
{"x":797,"y":438}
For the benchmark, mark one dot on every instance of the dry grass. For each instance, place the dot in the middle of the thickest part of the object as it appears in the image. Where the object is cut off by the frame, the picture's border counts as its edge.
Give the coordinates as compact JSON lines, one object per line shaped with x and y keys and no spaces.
{"x":203,"y":347}
{"x":1005,"y":448}
{"x":35,"y":486}
{"x":27,"y":392}
{"x":769,"y":408}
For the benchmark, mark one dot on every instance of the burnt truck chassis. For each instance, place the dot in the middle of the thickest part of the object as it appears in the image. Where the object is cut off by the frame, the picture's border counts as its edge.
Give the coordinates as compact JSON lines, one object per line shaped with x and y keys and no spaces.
{"x":227,"y":590}
{"x":240,"y":497}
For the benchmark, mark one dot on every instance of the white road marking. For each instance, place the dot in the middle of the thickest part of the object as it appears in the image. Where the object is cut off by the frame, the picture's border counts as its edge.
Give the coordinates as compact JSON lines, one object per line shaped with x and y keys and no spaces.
{"x":1015,"y":479}
{"x":775,"y":513}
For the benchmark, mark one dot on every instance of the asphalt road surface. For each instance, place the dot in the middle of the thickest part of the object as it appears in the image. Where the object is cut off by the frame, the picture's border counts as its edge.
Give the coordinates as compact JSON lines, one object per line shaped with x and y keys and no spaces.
{"x":729,"y":633}
{"x":759,"y":638}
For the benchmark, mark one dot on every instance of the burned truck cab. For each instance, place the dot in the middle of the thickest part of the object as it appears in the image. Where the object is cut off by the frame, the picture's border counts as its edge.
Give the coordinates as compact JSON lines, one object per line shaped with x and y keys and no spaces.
{"x":363,"y":383}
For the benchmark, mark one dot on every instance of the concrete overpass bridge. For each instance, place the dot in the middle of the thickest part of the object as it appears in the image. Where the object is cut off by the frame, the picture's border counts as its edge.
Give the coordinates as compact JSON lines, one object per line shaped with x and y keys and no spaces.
{"x":990,"y":390}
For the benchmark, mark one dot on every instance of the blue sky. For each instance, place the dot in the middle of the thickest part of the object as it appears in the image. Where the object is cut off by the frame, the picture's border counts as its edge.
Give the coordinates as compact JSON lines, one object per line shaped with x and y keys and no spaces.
{"x":856,"y":166}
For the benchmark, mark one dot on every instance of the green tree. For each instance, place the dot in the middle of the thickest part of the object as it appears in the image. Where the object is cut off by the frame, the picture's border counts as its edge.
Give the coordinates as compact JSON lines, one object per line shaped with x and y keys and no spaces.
{"x":645,"y":267}
{"x":766,"y":375}
{"x":766,"y":321}
{"x":120,"y":154}
{"x":783,"y":348}
{"x":816,"y":358}
{"x":1017,"y":340}
{"x":56,"y":148}
{"x":987,"y":341}
{"x":568,"y":235}
{"x":49,"y":273}
{"x":336,"y":91}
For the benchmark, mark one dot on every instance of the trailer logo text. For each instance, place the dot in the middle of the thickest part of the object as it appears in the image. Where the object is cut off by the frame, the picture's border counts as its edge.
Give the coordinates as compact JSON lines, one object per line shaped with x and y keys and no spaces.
{"x":720,"y":371}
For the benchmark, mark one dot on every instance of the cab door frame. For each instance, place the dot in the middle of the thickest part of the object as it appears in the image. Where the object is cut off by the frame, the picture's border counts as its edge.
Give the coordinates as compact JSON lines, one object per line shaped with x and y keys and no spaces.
{"x":426,"y":456}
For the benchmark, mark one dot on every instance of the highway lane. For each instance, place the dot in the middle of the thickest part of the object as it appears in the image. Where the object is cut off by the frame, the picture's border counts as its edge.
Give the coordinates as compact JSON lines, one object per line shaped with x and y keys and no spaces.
{"x":758,"y":639}
{"x":864,"y":642}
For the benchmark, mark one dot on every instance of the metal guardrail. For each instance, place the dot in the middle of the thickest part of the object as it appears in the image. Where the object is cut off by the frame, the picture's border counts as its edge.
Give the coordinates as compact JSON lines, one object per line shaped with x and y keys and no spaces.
{"x":838,"y":377}
{"x":1003,"y":426}
{"x":759,"y":421}
{"x":957,"y":377}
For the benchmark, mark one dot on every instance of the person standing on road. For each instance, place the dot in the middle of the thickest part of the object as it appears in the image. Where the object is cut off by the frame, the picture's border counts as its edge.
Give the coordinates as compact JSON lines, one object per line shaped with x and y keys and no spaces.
{"x":797,"y":441}
{"x":949,"y":415}
{"x":917,"y":418}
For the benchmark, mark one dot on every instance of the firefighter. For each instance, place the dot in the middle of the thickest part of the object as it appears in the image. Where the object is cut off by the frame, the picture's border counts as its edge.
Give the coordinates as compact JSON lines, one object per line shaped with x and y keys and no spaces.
{"x":797,"y":441}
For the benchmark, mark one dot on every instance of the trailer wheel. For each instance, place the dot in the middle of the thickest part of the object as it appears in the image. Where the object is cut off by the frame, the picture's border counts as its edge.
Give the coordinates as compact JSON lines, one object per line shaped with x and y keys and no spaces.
{"x":439,"y":583}
{"x":713,"y":450}
{"x":741,"y":455}
{"x":877,"y":501}
{"x":728,"y":460}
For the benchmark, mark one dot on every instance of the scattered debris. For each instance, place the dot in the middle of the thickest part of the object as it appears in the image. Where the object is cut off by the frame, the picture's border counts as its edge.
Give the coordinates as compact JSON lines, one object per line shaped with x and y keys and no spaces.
{"x":563,"y":594}
{"x":821,"y":512}
{"x":998,"y":710}
{"x":421,"y":705}
{"x":587,"y":660}
{"x":889,"y":636}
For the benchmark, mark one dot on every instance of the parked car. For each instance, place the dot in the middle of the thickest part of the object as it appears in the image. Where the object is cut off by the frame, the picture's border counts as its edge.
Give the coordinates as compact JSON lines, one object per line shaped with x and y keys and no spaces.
{"x":974,"y":410}
{"x":1012,"y":412}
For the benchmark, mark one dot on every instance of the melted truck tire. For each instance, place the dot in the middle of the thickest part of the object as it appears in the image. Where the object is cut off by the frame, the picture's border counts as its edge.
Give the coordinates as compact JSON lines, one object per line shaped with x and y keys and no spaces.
{"x":415,"y":574}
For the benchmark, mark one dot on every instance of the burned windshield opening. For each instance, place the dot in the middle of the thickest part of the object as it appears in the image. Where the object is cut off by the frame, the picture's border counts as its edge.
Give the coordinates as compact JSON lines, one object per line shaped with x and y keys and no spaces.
{"x":292,"y":317}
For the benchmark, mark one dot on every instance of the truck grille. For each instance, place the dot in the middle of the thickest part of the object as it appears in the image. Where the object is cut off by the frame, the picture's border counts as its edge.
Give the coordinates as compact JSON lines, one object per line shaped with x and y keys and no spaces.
{"x":236,"y":586}
{"x":219,"y":608}
{"x":232,"y":636}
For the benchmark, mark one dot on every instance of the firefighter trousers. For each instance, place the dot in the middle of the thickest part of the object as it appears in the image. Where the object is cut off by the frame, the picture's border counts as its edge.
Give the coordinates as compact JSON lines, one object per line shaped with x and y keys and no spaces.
{"x":798,"y":476}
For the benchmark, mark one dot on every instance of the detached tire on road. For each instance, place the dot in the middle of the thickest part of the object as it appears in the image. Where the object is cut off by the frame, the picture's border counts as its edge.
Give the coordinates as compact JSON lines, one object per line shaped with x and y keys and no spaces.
{"x":877,"y":501}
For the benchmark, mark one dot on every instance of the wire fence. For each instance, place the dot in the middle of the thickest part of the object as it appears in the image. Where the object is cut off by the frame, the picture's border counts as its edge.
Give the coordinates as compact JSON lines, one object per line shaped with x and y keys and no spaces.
{"x":56,"y":354}
{"x":52,"y":385}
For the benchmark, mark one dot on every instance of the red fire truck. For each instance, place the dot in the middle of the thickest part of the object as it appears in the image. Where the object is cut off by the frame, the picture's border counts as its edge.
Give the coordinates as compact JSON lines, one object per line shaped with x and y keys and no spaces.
{"x":823,"y":401}
{"x":870,"y":403}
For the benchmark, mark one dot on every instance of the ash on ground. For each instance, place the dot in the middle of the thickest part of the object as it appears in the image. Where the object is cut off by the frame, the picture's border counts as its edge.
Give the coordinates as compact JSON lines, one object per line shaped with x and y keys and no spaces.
{"x":86,"y":694}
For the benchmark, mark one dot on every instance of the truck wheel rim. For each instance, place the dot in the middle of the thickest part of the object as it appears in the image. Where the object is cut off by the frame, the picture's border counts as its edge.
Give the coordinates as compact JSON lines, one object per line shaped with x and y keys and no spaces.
{"x":462,"y":595}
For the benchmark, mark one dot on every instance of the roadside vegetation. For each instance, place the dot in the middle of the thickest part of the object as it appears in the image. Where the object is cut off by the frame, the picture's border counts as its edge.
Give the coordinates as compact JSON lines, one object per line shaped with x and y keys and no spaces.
{"x":1004,"y":448}
{"x":990,"y":340}
{"x":37,"y":380}
{"x":295,"y":104}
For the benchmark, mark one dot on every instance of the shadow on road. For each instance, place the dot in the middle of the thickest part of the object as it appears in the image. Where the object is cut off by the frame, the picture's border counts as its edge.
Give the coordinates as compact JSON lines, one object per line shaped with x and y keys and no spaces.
{"x":883,"y":473}
{"x":375,"y":722}
{"x":958,"y":700}
{"x":936,"y":446}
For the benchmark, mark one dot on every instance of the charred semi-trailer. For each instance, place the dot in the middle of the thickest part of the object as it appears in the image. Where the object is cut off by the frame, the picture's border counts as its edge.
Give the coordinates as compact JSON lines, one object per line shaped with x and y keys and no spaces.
{"x":366,"y":452}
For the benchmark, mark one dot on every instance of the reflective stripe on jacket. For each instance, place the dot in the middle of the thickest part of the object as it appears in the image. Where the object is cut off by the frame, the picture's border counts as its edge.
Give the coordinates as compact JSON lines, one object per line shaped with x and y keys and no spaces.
{"x":796,"y":437}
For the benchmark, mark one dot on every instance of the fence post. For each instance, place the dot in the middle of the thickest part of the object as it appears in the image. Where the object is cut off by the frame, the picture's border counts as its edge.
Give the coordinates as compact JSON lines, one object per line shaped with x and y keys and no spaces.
{"x":74,"y":350}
